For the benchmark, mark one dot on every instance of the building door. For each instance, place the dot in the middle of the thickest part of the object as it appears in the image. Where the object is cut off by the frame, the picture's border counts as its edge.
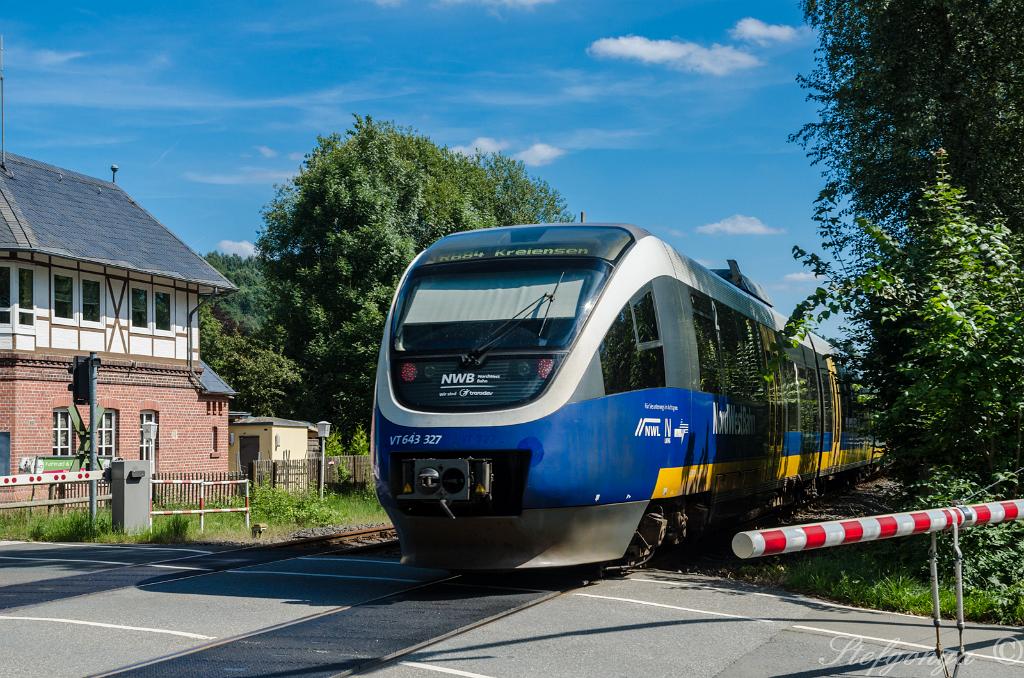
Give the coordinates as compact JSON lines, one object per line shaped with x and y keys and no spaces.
{"x":248,"y":451}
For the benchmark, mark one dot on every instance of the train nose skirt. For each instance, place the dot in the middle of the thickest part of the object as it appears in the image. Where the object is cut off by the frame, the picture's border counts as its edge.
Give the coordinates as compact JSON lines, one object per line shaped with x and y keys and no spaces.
{"x":554,"y":537}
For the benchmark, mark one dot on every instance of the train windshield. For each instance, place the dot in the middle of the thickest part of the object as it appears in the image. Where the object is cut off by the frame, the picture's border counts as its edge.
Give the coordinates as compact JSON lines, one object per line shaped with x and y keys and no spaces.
{"x":528,"y":305}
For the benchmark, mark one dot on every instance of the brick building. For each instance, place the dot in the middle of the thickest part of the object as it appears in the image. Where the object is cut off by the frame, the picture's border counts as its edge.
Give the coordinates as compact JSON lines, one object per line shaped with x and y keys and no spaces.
{"x":84,"y":268}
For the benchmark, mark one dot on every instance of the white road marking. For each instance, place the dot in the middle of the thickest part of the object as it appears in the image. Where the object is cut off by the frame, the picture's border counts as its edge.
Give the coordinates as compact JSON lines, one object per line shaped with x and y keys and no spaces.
{"x":101,"y":562}
{"x":443,"y":669}
{"x":122,"y":547}
{"x":103,"y":546}
{"x":330,"y":576}
{"x":119,"y":627}
{"x":675,"y":607}
{"x":67,"y":560}
{"x":892,"y":642}
{"x":777,"y":596}
{"x":343,"y":559}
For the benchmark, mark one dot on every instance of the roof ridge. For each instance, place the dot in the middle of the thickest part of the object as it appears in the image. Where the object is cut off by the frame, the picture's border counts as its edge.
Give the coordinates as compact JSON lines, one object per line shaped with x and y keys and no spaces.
{"x":61,"y":171}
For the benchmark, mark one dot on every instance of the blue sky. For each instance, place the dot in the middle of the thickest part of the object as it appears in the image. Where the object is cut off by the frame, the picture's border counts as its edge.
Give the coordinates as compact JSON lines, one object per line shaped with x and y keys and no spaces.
{"x":670,"y":115}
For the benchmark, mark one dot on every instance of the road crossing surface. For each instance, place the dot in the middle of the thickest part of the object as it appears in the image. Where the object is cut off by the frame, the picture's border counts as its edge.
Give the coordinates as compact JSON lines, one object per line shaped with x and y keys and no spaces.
{"x":73,"y":610}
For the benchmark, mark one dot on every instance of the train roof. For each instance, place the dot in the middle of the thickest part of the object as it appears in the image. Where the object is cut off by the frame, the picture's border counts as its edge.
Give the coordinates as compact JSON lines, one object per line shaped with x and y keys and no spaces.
{"x":729,"y":285}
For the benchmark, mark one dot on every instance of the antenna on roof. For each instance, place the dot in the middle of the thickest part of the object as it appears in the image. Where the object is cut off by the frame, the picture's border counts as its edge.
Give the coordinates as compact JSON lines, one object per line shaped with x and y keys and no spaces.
{"x":113,"y":173}
{"x":3,"y":130}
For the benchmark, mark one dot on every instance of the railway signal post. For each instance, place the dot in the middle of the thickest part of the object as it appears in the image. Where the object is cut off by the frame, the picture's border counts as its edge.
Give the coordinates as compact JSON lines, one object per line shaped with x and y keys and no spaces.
{"x":84,"y":373}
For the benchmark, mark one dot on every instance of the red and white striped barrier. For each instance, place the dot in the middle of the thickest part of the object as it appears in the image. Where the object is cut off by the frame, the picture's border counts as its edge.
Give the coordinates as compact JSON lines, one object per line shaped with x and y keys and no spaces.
{"x":758,"y":543}
{"x":49,"y":478}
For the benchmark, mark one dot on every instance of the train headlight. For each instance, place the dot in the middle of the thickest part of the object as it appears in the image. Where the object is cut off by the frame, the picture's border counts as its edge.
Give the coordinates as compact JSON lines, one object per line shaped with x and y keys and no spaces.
{"x":428,"y":480}
{"x":453,"y":481}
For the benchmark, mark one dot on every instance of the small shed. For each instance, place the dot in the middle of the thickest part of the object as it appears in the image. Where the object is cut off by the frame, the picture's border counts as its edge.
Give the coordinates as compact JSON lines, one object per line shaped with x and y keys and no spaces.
{"x":266,"y":438}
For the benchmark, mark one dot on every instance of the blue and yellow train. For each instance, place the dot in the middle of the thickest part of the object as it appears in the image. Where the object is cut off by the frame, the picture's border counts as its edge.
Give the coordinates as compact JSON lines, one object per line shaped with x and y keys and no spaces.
{"x":553,"y":395}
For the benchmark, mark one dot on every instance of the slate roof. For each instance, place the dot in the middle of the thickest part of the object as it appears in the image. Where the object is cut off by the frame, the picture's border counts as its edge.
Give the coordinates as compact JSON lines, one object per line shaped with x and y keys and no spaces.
{"x":63,"y":213}
{"x":212,"y":383}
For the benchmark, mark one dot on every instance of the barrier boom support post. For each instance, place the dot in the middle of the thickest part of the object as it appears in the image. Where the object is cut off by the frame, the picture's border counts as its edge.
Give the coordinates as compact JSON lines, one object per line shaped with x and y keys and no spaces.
{"x":811,"y":536}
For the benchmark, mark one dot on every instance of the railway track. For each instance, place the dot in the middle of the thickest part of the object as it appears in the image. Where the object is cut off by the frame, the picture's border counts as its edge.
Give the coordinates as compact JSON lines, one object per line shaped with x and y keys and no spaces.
{"x":348,"y":540}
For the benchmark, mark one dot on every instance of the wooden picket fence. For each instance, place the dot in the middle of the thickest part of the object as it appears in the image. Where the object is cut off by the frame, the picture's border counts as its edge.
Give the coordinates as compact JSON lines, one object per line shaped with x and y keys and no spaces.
{"x":303,"y":475}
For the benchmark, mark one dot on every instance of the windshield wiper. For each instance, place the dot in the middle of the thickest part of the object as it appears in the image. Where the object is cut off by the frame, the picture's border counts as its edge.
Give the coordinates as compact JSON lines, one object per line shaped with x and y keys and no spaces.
{"x":472,"y":358}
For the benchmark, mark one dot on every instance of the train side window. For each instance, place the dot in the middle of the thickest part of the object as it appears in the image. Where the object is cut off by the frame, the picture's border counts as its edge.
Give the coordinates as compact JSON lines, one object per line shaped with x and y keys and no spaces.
{"x":632,"y":357}
{"x":741,"y":355}
{"x":707,"y":342}
{"x":646,"y":319}
{"x":810,"y":424}
{"x":791,"y":395}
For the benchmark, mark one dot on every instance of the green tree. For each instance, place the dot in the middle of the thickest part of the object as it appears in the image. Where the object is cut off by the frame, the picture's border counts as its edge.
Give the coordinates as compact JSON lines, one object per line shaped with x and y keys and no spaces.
{"x":894,"y":82}
{"x":245,"y":309}
{"x":337,"y":237}
{"x":944,"y":304}
{"x":251,"y":364}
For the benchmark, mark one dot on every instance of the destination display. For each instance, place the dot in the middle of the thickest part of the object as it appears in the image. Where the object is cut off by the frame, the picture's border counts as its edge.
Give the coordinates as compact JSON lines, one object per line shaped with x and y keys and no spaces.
{"x":604,"y":242}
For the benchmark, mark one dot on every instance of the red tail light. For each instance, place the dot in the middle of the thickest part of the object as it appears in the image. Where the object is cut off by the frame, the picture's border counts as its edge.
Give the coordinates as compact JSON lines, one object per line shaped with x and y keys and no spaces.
{"x":544,"y":367}
{"x":408,"y":372}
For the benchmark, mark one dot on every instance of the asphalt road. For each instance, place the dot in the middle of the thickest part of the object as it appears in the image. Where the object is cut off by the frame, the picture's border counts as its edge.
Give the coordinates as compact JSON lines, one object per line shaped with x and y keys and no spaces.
{"x":72,"y":610}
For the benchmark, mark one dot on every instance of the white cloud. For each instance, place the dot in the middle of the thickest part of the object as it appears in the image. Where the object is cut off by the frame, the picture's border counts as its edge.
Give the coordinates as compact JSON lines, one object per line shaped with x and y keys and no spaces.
{"x":738,"y":224}
{"x":540,"y":154}
{"x":758,"y":32}
{"x":266,"y":151}
{"x":242,"y":248}
{"x":245,"y":175}
{"x":800,"y":276}
{"x":48,"y":57}
{"x":686,"y":56}
{"x":297,"y":155}
{"x":387,"y":3}
{"x":482,"y":145}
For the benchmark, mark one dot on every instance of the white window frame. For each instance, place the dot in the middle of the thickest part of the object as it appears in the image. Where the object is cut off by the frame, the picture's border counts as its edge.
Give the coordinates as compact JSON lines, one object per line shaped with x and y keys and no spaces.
{"x":149,"y":451}
{"x":169,"y":291}
{"x":54,"y":318}
{"x":108,"y":425}
{"x":16,"y":293}
{"x":62,"y":424}
{"x":103,"y":298}
{"x":11,"y":267}
{"x":148,"y":289}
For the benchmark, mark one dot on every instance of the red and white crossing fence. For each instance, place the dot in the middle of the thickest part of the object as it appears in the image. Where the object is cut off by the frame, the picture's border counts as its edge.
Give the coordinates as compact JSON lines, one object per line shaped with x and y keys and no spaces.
{"x":757,"y":543}
{"x":49,"y":478}
{"x":202,"y":510}
{"x":857,"y":530}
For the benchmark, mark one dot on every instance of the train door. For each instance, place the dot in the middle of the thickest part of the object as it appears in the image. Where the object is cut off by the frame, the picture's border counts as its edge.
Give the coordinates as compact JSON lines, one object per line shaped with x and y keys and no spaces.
{"x":810,"y":416}
{"x":742,"y":417}
{"x":774,"y":444}
{"x":834,"y":414}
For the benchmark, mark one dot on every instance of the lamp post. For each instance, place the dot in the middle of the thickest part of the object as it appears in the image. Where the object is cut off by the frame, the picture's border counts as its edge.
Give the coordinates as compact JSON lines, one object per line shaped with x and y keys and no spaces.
{"x":149,"y":430}
{"x":323,"y":429}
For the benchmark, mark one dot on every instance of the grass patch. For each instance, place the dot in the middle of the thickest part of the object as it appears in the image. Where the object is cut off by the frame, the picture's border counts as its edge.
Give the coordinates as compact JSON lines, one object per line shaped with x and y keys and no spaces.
{"x":282,"y":512}
{"x":887,"y":576}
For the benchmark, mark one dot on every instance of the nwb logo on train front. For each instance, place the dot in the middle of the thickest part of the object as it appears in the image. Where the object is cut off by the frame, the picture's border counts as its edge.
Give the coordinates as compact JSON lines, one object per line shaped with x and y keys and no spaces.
{"x":459,"y":378}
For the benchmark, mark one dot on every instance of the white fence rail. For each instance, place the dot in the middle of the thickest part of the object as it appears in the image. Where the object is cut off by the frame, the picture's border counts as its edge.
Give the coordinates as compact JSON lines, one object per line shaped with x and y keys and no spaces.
{"x":202,"y":510}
